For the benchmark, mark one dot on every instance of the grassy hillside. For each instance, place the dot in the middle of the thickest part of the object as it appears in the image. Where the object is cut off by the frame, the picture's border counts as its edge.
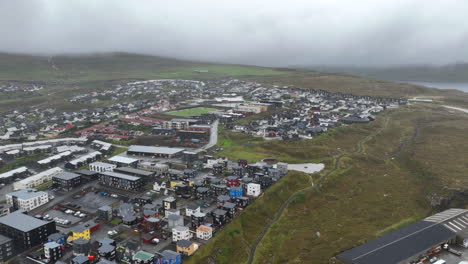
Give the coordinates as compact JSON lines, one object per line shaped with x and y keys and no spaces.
{"x":446,"y":73}
{"x":388,"y":174}
{"x":104,"y":67}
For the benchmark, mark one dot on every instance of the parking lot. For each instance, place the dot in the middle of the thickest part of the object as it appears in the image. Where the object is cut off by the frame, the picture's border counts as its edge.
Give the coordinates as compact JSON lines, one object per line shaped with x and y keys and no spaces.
{"x":61,"y":215}
{"x":90,"y":202}
{"x":452,"y":258}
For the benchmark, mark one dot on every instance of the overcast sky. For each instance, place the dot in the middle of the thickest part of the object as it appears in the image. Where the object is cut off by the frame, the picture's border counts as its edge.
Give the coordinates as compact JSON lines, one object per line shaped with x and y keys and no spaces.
{"x":261,"y":32}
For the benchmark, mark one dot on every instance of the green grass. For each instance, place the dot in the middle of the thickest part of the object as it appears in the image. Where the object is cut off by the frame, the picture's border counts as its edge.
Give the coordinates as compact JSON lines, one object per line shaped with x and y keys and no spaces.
{"x":191,"y":111}
{"x":20,"y":162}
{"x":117,"y":151}
{"x":374,"y":192}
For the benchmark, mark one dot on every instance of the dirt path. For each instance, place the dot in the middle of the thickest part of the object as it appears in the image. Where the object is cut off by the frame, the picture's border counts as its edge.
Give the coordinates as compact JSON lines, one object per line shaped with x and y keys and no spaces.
{"x":360,"y":149}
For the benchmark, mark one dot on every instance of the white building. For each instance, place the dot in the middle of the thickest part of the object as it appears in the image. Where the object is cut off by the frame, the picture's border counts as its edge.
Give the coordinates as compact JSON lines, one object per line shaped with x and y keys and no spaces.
{"x":158,"y":186}
{"x":254,"y":189}
{"x":181,"y":233}
{"x":192,"y":209}
{"x":38,"y":179}
{"x":27,"y":199}
{"x":204,"y":232}
{"x":101,"y":166}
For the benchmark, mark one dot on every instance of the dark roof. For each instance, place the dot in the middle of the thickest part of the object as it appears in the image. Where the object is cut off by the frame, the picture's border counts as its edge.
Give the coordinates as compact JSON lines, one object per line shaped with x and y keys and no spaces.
{"x":87,"y":172}
{"x":184,"y":243}
{"x":21,"y":221}
{"x":67,"y":175}
{"x":399,"y":245}
{"x":134,"y":171}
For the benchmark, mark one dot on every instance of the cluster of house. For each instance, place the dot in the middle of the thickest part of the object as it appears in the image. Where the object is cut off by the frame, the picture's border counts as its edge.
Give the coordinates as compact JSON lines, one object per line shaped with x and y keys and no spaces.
{"x":304,"y":114}
{"x":17,"y":87}
{"x":137,"y":89}
{"x":192,"y":210}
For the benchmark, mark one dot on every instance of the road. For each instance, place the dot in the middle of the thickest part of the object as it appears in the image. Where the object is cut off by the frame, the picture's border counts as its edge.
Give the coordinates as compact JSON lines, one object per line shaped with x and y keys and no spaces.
{"x":457,"y":108}
{"x":213,"y":136}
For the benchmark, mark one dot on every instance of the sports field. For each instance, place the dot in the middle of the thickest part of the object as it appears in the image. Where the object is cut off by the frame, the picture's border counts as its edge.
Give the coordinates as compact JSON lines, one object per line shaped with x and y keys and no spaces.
{"x":191,"y":111}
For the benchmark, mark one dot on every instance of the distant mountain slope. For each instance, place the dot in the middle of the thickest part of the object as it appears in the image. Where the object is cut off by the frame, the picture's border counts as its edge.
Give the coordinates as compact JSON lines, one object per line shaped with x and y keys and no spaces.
{"x":447,"y":73}
{"x":93,"y":67}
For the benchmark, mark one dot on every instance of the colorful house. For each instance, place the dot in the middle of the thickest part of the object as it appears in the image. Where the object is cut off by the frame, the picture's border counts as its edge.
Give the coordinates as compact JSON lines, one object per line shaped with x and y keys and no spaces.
{"x":80,"y":231}
{"x":169,"y":257}
{"x":186,"y":247}
{"x":235,"y":192}
{"x":143,"y":257}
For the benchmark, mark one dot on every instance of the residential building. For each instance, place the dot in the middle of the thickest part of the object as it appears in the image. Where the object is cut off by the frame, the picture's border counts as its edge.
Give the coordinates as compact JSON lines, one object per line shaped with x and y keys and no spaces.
{"x":169,"y":257}
{"x":186,"y":247}
{"x":143,"y":257}
{"x":101,"y":166}
{"x":192,"y":209}
{"x":254,"y":189}
{"x":120,"y":181}
{"x":52,"y":251}
{"x":38,"y":179}
{"x":80,"y":231}
{"x":26,"y":231}
{"x":123,"y":161}
{"x":67,"y":180}
{"x":27,"y":199}
{"x":235,"y":192}
{"x":204,"y":232}
{"x":6,"y":248}
{"x":5,"y":209}
{"x":180,"y":233}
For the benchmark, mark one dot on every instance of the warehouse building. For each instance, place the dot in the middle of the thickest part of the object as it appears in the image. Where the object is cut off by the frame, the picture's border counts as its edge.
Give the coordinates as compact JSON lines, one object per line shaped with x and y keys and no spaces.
{"x":415,"y":243}
{"x":163,"y":152}
{"x":67,"y":180}
{"x":120,"y":181}
{"x":26,"y":231}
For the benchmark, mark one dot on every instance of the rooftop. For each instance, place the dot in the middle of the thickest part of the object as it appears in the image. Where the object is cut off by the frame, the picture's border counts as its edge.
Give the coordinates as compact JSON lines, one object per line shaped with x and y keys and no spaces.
{"x":21,"y":221}
{"x":120,"y":175}
{"x":155,"y":150}
{"x":26,"y":194}
{"x":67,"y":176}
{"x":143,"y":256}
{"x":134,"y":171}
{"x":122,"y":159}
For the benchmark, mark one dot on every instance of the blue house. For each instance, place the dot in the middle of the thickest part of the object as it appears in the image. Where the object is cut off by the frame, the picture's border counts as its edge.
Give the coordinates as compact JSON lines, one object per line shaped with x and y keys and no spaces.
{"x":235,"y":192}
{"x":59,"y":238}
{"x":169,"y":257}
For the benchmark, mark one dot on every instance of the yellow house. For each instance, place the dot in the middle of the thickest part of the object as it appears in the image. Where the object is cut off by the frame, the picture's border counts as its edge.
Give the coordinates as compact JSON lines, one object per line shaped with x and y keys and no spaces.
{"x":80,"y":231}
{"x":186,"y":247}
{"x":174,"y":183}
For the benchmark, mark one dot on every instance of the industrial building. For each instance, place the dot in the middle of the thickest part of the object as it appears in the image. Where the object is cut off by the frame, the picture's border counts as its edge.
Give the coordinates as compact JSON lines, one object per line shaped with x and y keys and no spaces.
{"x":163,"y":152}
{"x":415,"y":243}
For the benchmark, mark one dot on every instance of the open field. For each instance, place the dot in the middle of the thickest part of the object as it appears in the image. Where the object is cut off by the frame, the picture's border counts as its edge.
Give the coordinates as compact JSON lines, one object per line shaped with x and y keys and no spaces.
{"x":191,"y":111}
{"x":390,"y":172}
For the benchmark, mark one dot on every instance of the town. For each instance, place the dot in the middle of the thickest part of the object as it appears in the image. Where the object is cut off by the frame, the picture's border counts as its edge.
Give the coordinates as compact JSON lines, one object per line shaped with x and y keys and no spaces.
{"x":140,"y":181}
